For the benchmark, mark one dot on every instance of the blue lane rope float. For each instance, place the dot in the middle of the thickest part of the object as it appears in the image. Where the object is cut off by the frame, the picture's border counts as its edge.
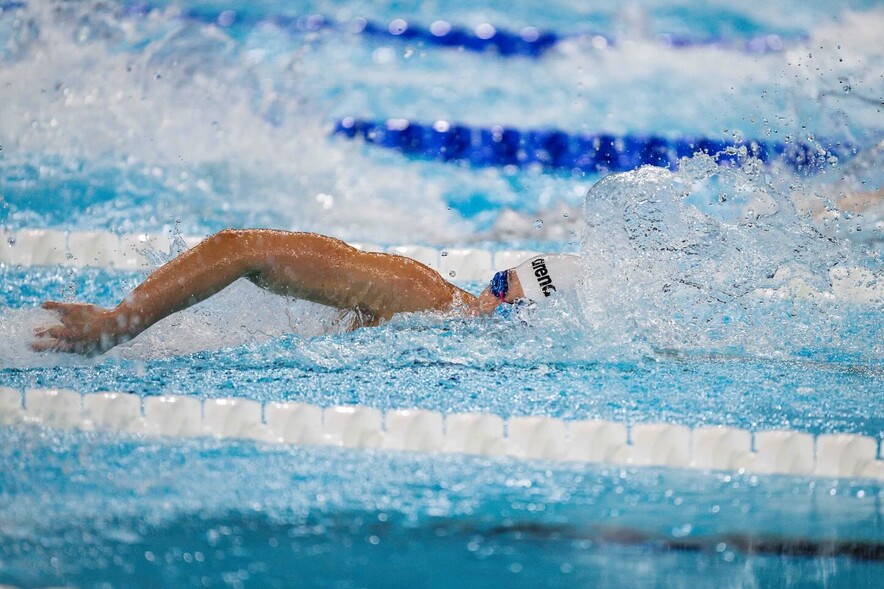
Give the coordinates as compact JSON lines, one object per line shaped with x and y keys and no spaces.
{"x":585,"y":152}
{"x":4,"y":6}
{"x":529,"y":41}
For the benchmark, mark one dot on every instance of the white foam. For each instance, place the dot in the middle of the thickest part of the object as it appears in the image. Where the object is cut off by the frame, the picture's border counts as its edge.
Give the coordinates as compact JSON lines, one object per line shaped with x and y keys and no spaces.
{"x":711,"y":258}
{"x":242,"y":313}
{"x":206,"y":121}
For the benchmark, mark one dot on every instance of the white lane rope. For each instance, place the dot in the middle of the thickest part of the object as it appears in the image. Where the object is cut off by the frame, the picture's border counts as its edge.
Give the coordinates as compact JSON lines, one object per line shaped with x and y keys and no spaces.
{"x":418,"y":430}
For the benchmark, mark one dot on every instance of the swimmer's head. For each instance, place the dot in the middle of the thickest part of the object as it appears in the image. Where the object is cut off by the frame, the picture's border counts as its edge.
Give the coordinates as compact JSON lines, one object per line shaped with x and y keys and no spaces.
{"x":543,"y":276}
{"x":534,"y":280}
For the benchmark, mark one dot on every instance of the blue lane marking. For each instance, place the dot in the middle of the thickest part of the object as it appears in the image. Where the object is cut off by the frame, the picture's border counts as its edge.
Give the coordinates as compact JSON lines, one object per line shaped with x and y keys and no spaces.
{"x":557,"y":150}
{"x":529,"y":41}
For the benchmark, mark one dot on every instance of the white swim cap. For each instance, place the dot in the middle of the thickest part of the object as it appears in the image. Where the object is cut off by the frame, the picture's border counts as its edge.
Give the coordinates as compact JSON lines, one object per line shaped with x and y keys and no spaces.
{"x":543,"y":275}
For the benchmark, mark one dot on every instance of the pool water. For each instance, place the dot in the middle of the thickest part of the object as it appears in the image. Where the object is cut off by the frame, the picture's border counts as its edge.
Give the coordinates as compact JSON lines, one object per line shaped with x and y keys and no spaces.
{"x":148,"y":117}
{"x":93,"y":510}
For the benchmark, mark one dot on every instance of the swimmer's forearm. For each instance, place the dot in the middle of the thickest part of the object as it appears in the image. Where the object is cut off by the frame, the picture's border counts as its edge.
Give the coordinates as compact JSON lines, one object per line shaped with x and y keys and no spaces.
{"x":193,"y":276}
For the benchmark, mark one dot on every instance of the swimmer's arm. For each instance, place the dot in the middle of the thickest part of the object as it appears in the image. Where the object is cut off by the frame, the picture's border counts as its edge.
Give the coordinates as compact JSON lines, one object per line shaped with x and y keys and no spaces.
{"x":279,"y":261}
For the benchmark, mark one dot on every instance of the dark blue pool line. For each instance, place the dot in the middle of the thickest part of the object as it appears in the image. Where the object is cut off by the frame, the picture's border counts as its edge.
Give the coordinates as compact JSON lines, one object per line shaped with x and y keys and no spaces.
{"x":529,"y":41}
{"x":557,"y":150}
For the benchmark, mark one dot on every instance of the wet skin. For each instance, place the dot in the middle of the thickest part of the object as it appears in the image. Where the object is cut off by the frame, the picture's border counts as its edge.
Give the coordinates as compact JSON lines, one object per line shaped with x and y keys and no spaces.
{"x":302,"y":265}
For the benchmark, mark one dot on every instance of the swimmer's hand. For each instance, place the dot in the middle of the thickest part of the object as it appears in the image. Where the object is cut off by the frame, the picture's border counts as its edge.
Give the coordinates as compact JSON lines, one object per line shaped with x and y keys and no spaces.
{"x":84,"y":329}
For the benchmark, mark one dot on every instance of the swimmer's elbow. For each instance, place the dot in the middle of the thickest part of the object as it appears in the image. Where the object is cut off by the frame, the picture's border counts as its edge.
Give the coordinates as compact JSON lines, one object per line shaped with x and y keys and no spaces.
{"x":222,"y":242}
{"x":229,"y":239}
{"x":235,"y":248}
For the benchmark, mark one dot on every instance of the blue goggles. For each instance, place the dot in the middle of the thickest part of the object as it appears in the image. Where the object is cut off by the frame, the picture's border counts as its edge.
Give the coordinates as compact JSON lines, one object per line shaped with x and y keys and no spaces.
{"x":500,"y":284}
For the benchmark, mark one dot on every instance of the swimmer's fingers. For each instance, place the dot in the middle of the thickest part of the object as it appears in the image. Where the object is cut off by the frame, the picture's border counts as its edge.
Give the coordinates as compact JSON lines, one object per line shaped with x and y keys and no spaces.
{"x":59,"y":332}
{"x":51,"y":344}
{"x":47,"y":345}
{"x":69,"y":328}
{"x":47,"y":339}
{"x":43,"y":345}
{"x":53,"y":338}
{"x":61,"y":338}
{"x":41,"y":331}
{"x":62,"y":347}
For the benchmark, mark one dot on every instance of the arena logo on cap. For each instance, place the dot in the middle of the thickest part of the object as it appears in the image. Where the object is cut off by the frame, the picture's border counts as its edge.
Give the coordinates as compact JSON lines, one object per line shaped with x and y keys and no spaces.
{"x":544,"y":280}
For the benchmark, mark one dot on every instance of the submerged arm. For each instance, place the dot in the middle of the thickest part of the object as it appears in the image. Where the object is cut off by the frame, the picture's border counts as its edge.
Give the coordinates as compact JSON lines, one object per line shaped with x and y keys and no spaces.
{"x":305,"y":265}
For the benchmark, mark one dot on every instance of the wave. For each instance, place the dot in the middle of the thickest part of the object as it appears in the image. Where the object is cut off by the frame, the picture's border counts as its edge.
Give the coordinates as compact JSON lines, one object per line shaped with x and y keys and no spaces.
{"x":710,"y":259}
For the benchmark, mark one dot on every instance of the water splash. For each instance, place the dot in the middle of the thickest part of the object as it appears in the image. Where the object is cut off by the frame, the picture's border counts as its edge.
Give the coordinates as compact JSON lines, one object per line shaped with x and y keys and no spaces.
{"x":710,"y":259}
{"x":126,"y":123}
{"x":242,"y":314}
{"x":130,"y":124}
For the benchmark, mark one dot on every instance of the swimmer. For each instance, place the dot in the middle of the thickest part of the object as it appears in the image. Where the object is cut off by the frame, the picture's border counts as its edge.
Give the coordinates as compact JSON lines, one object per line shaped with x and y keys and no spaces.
{"x":307,"y":266}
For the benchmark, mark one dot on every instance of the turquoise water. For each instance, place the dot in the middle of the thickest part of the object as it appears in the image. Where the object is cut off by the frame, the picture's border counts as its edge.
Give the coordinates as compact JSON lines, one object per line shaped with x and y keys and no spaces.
{"x":127,"y":122}
{"x":96,"y":511}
